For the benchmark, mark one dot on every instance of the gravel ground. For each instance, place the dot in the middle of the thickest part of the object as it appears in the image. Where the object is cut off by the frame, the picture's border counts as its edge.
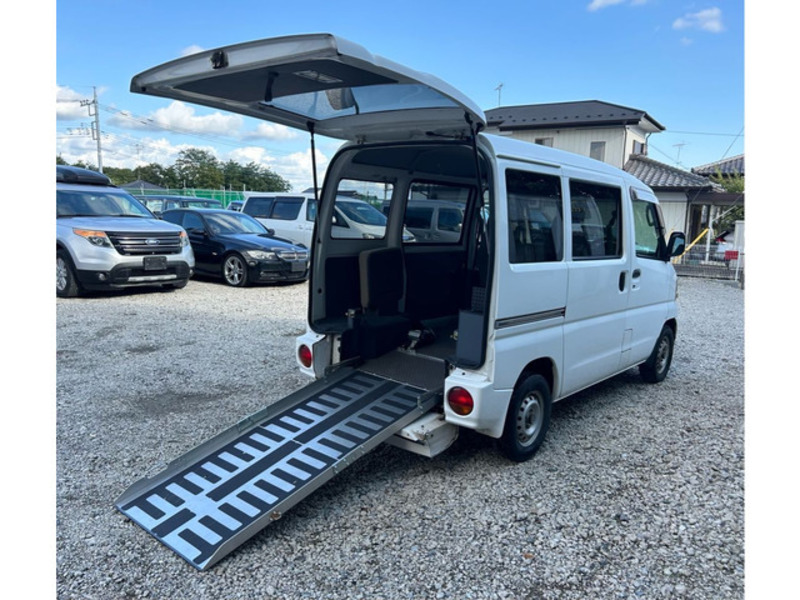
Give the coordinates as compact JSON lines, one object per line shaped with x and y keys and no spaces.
{"x":637,"y":492}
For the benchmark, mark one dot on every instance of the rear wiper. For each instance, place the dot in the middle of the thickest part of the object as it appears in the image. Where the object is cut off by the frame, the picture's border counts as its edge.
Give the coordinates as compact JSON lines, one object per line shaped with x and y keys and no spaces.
{"x":75,"y":215}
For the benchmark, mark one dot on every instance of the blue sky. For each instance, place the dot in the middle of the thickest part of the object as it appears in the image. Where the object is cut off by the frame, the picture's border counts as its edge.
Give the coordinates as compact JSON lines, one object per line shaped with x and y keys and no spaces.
{"x":681,"y":62}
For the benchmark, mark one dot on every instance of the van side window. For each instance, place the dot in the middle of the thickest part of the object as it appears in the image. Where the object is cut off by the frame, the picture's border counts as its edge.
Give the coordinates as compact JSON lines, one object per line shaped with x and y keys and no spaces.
{"x":435,"y":212}
{"x":649,"y":230}
{"x":311,"y":210}
{"x":286,"y":209}
{"x":535,"y":217}
{"x":259,"y":207}
{"x":596,"y":220}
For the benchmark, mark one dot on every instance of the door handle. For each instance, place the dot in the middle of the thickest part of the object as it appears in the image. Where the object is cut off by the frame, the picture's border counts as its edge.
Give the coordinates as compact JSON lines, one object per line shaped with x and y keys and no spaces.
{"x":636,"y":273}
{"x":622,"y":281}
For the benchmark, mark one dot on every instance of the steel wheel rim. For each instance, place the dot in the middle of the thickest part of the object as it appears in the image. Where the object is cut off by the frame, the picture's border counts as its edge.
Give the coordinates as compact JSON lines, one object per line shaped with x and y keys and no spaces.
{"x":62,"y":275}
{"x":662,"y":356}
{"x":529,"y":418}
{"x":234,"y":270}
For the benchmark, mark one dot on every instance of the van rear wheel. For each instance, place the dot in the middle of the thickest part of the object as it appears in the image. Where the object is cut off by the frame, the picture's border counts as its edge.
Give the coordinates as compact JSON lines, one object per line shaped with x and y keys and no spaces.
{"x":655,"y":369}
{"x":527,"y":420}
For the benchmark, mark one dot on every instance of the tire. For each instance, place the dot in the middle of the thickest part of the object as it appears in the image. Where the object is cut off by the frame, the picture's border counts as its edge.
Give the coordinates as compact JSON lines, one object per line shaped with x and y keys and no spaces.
{"x":527,"y":420}
{"x":66,"y":283}
{"x":234,"y":270}
{"x":656,"y":367}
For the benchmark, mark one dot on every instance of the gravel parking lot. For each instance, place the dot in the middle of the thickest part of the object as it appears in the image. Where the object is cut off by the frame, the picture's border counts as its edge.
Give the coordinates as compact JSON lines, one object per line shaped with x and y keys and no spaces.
{"x":637,"y":492}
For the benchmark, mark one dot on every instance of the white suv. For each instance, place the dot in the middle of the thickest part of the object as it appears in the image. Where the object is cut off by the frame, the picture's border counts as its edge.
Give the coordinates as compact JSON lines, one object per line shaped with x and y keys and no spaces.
{"x":106,"y":239}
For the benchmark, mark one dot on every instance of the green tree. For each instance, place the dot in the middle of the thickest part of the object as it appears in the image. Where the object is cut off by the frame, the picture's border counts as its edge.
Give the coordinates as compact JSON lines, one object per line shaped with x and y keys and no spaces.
{"x":198,"y":169}
{"x":732,"y":184}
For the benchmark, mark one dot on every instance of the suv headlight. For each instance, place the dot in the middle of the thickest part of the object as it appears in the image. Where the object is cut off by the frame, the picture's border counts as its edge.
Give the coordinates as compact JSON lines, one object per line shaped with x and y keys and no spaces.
{"x":184,"y":239}
{"x":96,"y":238}
{"x":261,"y":254}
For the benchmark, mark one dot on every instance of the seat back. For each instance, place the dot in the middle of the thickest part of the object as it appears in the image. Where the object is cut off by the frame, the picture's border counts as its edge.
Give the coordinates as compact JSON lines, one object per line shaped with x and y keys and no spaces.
{"x":382,"y":280}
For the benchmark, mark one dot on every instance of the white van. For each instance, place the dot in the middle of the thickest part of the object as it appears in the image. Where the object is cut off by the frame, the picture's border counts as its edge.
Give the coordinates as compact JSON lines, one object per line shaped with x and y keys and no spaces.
{"x":292,"y":216}
{"x":558,"y":277}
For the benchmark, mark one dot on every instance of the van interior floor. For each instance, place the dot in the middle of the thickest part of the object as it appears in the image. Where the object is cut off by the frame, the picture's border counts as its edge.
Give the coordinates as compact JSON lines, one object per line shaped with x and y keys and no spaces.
{"x":409,"y":367}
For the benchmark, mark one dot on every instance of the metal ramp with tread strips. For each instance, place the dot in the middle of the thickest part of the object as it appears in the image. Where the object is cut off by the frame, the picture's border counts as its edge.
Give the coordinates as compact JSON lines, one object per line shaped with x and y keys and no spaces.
{"x":217,"y":496}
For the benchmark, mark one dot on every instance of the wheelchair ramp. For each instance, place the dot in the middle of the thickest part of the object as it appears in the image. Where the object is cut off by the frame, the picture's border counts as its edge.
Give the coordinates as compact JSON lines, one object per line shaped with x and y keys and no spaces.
{"x":217,"y":496}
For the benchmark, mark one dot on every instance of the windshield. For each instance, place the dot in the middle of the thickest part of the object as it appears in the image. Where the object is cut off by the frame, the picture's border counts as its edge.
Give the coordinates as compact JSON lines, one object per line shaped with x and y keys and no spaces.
{"x":233,"y":223}
{"x":362,"y":213}
{"x":74,"y":203}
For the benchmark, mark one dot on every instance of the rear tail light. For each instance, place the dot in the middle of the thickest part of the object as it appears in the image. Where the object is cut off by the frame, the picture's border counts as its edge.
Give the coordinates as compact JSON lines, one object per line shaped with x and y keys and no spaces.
{"x":460,"y":401}
{"x":304,"y":356}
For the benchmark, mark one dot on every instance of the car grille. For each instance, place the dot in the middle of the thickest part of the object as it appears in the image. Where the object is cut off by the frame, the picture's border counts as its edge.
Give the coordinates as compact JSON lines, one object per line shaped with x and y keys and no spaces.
{"x":292,"y":255}
{"x":143,"y":244}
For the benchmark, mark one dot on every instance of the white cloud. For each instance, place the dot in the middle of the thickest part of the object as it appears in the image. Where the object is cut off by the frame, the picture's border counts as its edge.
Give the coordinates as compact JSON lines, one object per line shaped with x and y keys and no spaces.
{"x":599,"y":4}
{"x":68,"y":104}
{"x":270,"y":131}
{"x":706,"y":20}
{"x":193,"y":49}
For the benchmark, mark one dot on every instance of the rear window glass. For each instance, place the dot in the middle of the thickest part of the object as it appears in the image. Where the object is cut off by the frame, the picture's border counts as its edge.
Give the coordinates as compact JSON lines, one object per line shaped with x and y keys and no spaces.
{"x":435,"y":212}
{"x":357,"y":210}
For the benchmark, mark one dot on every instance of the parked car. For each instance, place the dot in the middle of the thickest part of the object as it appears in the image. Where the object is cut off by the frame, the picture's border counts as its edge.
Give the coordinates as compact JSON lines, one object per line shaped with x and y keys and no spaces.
{"x":292,"y":217}
{"x":106,"y":238}
{"x":239,"y":249}
{"x":236,"y":205}
{"x":157,"y":204}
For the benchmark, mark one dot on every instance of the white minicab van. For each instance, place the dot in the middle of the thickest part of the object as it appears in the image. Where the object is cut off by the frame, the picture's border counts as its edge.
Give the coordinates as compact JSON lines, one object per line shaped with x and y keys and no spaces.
{"x":557,"y":276}
{"x":560,"y":277}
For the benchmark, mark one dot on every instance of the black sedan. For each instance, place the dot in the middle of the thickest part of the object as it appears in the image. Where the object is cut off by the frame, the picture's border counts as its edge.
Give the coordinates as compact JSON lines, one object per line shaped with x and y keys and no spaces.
{"x":238,"y":248}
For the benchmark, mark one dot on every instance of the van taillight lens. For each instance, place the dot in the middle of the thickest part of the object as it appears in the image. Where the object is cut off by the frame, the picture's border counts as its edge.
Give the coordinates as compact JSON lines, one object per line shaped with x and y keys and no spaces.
{"x":304,"y":355}
{"x":460,"y":401}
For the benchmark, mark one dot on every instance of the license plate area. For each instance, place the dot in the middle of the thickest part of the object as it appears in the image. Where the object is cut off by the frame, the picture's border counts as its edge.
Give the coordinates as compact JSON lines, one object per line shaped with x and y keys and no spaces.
{"x":298,"y":266}
{"x":155,"y":263}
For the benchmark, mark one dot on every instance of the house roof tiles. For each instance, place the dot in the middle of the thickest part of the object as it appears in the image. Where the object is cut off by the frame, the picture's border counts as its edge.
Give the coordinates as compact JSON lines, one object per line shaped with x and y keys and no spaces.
{"x":660,"y":176}
{"x":569,"y":114}
{"x":727,"y":166}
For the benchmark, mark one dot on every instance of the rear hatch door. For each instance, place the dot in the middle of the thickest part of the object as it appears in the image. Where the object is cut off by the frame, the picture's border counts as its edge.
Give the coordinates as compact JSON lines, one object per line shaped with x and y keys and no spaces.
{"x":316,"y":80}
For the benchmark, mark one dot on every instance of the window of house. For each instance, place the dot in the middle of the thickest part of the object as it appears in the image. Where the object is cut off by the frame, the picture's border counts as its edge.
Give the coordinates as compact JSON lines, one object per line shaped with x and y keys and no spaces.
{"x":639,"y":148}
{"x":544,"y":141}
{"x":535,"y":217}
{"x":596,"y":220}
{"x":648,"y":228}
{"x":597,"y":150}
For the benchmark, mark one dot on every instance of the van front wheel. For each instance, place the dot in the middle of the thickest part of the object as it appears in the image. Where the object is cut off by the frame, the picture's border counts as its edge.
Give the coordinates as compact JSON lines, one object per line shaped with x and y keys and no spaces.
{"x":527,"y":420}
{"x":656,"y":367}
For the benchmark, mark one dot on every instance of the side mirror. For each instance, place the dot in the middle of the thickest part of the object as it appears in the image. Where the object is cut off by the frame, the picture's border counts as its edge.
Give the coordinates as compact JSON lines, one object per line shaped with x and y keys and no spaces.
{"x":270,"y":232}
{"x":676,"y":245}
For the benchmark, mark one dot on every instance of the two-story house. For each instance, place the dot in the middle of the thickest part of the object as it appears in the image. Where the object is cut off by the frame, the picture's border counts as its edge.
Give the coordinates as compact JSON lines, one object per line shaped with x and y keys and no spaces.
{"x":617,"y":135}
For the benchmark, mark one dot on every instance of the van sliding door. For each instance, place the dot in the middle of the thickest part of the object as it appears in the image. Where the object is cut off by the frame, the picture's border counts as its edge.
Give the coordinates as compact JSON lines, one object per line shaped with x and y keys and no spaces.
{"x":599,"y":281}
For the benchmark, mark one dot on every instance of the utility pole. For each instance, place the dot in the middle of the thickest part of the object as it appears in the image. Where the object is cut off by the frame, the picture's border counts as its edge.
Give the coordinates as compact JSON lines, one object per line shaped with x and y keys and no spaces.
{"x":499,"y":89}
{"x":93,"y":112}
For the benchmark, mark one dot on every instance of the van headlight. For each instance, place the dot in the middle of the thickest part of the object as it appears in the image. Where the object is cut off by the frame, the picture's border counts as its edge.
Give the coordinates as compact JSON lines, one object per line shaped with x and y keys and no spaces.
{"x":260,"y":254}
{"x":96,"y":238}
